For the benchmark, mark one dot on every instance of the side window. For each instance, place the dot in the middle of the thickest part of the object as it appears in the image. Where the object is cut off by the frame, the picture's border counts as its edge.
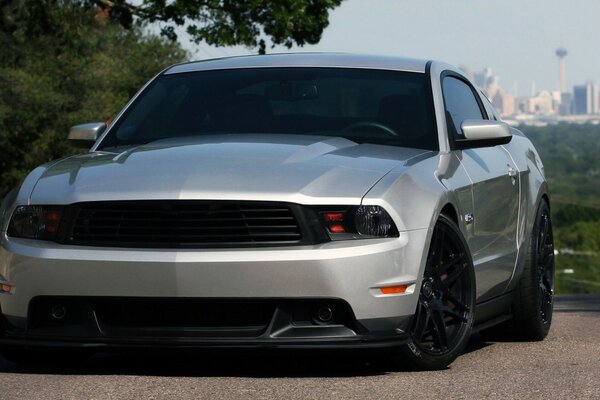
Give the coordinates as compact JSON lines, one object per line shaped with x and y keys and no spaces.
{"x":460,"y":104}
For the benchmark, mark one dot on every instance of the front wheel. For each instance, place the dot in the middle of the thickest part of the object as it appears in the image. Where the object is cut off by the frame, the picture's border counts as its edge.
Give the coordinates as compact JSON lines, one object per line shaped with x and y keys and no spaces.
{"x":443,"y":320}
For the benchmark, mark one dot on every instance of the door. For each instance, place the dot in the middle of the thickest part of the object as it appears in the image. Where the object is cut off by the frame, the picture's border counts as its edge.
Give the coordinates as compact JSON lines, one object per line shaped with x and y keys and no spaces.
{"x":495,"y":190}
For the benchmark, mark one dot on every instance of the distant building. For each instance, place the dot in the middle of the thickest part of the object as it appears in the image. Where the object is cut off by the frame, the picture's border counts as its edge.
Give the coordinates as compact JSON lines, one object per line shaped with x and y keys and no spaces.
{"x":544,"y":103}
{"x":504,"y":103}
{"x":522,"y":105}
{"x":566,"y":104}
{"x":586,"y":99}
{"x":580,"y":100}
{"x":489,"y":83}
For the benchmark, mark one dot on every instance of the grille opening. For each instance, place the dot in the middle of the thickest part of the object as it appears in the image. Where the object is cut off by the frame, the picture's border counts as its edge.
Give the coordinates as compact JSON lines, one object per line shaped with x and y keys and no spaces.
{"x":132,"y":318}
{"x":183,"y":224}
{"x":183,"y":313}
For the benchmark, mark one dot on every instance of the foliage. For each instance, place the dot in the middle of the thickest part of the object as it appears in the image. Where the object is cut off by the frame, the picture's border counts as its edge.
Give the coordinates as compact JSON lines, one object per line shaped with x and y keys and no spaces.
{"x":63,"y":64}
{"x":570,"y":156}
{"x":577,"y":274}
{"x":570,"y":213}
{"x":581,"y":236}
{"x":231,"y":22}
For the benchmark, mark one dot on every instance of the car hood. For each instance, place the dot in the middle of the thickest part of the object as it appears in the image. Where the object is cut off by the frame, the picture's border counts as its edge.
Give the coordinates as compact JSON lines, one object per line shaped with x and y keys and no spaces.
{"x":294,"y":168}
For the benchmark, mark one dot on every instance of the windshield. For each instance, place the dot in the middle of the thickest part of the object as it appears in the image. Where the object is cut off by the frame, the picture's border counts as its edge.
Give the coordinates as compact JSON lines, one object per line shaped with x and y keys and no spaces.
{"x":363,"y":105}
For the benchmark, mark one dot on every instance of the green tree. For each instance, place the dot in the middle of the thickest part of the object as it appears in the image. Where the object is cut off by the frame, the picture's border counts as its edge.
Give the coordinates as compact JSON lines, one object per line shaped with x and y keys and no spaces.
{"x":62,"y":63}
{"x":231,"y":22}
{"x":583,"y":236}
{"x":570,"y":156}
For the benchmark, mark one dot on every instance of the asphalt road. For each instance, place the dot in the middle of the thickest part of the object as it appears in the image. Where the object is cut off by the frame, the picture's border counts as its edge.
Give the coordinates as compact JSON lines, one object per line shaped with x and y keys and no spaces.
{"x":565,"y":365}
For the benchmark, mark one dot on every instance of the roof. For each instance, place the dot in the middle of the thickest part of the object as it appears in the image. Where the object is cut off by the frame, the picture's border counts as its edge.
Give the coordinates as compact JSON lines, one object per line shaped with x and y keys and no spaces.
{"x":340,"y":60}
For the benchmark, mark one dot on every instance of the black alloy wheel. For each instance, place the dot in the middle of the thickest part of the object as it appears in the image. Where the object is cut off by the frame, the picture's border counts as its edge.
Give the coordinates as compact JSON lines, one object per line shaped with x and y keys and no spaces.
{"x":544,"y":258}
{"x":443,"y":320}
{"x":533,"y":301}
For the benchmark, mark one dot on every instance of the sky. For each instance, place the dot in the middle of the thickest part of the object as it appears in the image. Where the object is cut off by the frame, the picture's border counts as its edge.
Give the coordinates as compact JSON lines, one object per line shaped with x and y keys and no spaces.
{"x":517,"y":39}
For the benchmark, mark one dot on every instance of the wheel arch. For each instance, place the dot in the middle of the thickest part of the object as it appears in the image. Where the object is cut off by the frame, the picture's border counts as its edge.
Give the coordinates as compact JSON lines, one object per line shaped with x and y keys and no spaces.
{"x":450,"y":211}
{"x":546,"y":197}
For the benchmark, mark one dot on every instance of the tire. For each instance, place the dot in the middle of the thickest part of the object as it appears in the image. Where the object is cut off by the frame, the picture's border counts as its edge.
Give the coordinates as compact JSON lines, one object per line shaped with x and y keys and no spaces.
{"x":533,"y":302}
{"x":443,"y":320}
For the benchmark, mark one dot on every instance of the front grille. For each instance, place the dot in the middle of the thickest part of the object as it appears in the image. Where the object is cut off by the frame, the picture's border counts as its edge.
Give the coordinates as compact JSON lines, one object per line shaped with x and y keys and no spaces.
{"x":183,"y":223}
{"x":150,"y":317}
{"x":181,"y":313}
{"x":134,"y":318}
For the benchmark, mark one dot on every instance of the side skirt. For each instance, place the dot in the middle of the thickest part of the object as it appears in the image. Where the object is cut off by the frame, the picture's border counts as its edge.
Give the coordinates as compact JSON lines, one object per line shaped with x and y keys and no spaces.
{"x":493,"y":312}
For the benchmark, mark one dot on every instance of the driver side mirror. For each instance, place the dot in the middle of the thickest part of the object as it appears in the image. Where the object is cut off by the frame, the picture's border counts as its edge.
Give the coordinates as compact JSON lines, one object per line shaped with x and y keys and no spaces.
{"x":85,"y":135}
{"x":483,"y":133}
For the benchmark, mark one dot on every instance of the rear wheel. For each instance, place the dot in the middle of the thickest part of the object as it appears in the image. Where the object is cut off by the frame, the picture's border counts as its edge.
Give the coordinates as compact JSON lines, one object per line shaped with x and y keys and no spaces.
{"x":443,"y":320}
{"x":533,"y":304}
{"x":533,"y":299}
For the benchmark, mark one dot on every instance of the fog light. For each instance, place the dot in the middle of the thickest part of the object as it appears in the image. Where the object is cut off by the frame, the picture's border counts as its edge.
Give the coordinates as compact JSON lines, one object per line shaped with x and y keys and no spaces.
{"x":59,"y":312}
{"x":325,"y":314}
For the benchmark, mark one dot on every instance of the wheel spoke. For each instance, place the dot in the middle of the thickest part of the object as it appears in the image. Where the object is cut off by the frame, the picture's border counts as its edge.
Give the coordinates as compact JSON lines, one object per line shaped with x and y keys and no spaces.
{"x":453,"y":300}
{"x":452,"y":261}
{"x":543,"y":309}
{"x":438,"y":244}
{"x":454,"y":275}
{"x":543,"y":234}
{"x":439,"y":331}
{"x":547,"y":289}
{"x":455,"y":316}
{"x":421,"y":322}
{"x":545,"y":298}
{"x":545,"y":301}
{"x":545,"y":257}
{"x":546,"y":284}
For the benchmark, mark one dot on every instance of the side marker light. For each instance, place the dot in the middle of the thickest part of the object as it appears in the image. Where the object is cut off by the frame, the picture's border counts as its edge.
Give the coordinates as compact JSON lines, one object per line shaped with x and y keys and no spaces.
{"x":394,"y":289}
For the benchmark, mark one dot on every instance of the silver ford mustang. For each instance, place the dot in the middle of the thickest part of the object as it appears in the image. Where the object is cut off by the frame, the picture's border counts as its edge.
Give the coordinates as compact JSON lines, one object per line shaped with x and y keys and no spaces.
{"x":300,"y":200}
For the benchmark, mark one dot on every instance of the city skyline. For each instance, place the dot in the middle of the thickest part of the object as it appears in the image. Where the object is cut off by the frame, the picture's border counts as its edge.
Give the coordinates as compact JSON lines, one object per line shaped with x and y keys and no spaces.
{"x":516,"y":39}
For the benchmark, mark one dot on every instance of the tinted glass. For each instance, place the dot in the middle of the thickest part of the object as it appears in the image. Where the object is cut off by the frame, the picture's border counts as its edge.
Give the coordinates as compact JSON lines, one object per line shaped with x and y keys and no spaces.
{"x":372,"y":106}
{"x":460,"y":104}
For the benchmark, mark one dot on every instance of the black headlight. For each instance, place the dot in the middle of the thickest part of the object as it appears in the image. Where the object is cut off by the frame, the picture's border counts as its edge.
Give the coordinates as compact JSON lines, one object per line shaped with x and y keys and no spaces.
{"x":357,"y":222}
{"x":35,"y":222}
{"x":374,"y":221}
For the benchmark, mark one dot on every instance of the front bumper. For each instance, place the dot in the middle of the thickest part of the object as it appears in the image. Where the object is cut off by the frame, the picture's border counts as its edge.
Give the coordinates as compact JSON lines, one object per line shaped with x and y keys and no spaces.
{"x":289,"y":324}
{"x":345,"y":274}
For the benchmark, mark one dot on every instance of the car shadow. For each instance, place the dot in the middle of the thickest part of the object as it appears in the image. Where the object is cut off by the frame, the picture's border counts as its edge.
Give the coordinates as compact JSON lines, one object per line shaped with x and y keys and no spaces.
{"x":255,"y":364}
{"x":227,"y":363}
{"x":476,"y":343}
